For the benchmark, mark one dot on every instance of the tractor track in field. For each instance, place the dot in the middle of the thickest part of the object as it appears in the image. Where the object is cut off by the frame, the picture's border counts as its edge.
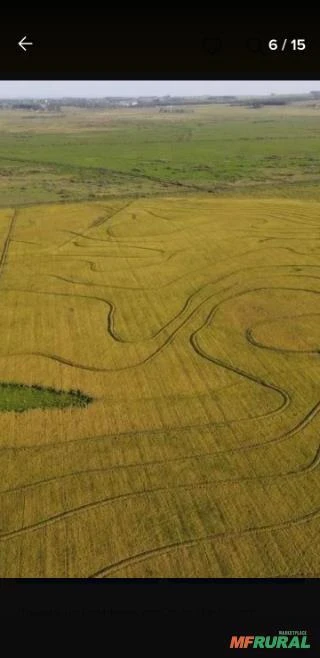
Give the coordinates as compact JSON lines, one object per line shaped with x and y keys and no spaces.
{"x":56,"y":518}
{"x":217,"y":362}
{"x":195,"y":344}
{"x":110,"y":321}
{"x":238,"y":371}
{"x":102,"y":221}
{"x":147,"y":359}
{"x":167,"y":341}
{"x":114,"y":243}
{"x":193,"y":340}
{"x":310,"y":466}
{"x":302,"y":424}
{"x":189,"y":543}
{"x":279,"y":350}
{"x":252,"y":340}
{"x":241,"y":270}
{"x":198,"y":269}
{"x":4,"y":253}
{"x":27,"y":242}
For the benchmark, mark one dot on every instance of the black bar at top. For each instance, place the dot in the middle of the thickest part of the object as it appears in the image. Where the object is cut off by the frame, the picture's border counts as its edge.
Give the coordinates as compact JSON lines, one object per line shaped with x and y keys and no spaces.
{"x":115,"y":49}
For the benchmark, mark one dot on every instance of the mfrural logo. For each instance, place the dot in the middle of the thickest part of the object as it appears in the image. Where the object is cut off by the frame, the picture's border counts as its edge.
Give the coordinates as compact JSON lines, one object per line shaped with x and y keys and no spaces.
{"x":284,"y":640}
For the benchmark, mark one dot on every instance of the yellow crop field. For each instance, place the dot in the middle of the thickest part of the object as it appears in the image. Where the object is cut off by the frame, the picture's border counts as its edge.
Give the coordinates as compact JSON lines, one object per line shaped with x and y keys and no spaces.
{"x":191,"y":322}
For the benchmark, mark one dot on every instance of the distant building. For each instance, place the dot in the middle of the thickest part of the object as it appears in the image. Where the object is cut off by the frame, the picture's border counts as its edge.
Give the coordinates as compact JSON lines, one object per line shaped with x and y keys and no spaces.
{"x":128,"y":103}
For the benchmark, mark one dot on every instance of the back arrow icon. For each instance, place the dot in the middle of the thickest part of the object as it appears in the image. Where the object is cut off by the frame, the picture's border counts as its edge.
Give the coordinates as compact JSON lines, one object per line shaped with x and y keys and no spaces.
{"x":24,"y":43}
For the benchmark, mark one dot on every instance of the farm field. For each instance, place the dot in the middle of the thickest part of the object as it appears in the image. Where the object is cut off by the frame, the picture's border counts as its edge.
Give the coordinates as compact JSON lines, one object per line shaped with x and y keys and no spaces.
{"x":159,"y":362}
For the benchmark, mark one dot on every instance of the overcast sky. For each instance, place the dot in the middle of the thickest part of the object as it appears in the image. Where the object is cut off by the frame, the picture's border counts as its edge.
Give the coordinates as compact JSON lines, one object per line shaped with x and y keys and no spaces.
{"x":94,"y":89}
